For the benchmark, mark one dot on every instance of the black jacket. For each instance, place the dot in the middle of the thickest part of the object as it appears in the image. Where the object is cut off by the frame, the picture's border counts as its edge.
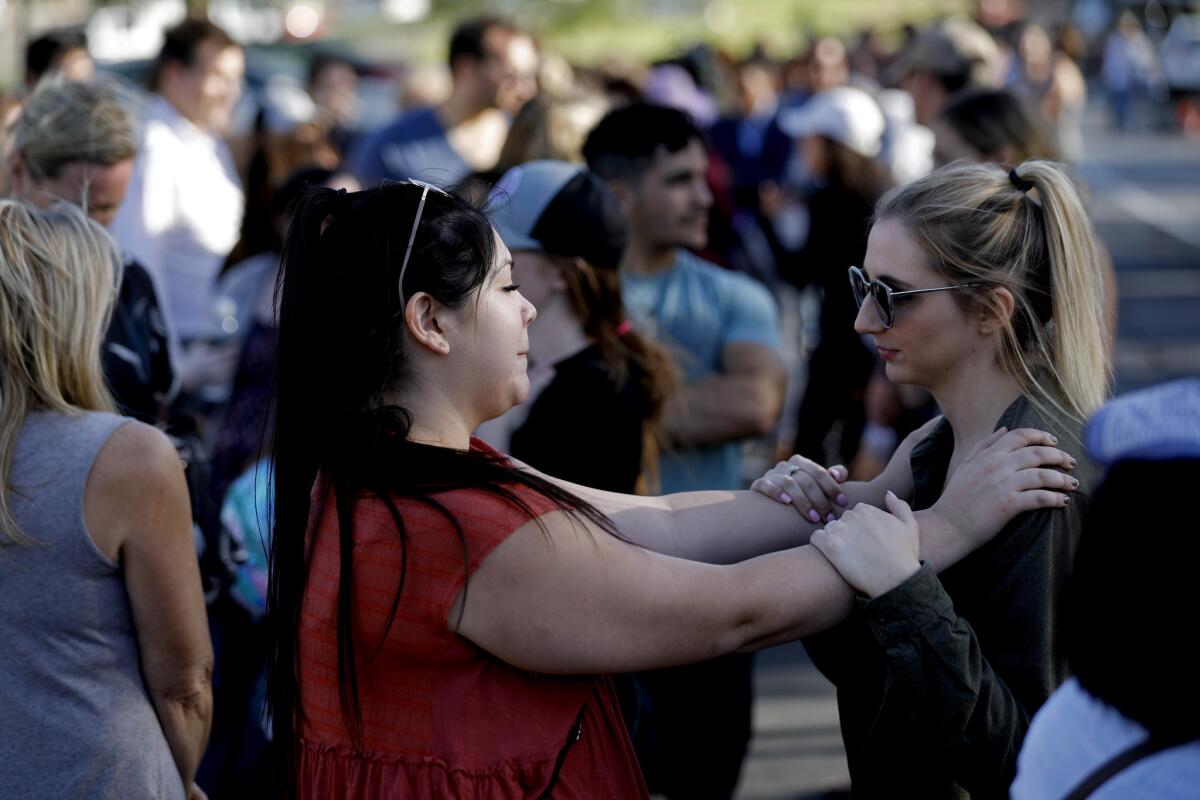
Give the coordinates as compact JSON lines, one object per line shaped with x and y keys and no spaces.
{"x":938,"y":679}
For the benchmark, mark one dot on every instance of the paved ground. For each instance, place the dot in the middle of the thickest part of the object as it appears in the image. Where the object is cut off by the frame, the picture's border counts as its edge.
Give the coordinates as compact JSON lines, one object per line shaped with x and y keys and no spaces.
{"x":1145,"y":202}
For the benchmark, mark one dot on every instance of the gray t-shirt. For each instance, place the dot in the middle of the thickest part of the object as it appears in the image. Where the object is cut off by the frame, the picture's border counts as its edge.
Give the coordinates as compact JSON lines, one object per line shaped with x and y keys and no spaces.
{"x":75,"y":717}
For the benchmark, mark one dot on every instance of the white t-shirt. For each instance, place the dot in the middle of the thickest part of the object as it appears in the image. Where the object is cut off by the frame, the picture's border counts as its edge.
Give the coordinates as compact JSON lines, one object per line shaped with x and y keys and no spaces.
{"x":182,"y":216}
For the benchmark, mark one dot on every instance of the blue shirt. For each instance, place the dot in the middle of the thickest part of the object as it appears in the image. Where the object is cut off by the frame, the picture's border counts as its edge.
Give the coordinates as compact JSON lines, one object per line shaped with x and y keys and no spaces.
{"x":695,"y":309}
{"x":413,"y":146}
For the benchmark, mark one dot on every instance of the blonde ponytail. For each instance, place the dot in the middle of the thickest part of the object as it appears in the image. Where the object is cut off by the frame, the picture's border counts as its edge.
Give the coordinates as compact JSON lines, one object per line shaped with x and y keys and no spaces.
{"x":1077,"y":352}
{"x":1025,"y":231}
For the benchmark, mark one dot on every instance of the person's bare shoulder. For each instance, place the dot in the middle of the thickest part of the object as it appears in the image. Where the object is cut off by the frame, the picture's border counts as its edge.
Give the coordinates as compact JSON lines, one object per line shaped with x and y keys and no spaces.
{"x":135,"y":482}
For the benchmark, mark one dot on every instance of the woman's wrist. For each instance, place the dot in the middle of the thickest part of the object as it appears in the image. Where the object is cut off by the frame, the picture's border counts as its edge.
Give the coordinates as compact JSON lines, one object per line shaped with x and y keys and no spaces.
{"x":941,"y":545}
{"x":897,"y":574}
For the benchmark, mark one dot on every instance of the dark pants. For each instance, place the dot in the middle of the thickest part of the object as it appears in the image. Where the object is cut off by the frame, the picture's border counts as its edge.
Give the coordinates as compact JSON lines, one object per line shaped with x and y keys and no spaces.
{"x":234,"y":765}
{"x":695,"y":727}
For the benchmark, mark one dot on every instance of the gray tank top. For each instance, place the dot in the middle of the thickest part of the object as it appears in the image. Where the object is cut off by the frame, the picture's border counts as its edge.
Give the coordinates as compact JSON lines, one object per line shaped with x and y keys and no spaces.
{"x":75,"y":718}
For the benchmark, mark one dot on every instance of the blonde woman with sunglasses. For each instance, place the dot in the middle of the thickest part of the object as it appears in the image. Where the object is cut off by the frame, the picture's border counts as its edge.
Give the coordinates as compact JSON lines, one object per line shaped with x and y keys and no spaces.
{"x":443,"y":617}
{"x":978,"y":285}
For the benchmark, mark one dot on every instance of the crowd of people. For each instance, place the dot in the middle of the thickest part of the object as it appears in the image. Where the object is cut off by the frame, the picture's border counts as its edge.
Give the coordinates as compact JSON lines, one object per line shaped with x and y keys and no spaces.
{"x":433,"y":459}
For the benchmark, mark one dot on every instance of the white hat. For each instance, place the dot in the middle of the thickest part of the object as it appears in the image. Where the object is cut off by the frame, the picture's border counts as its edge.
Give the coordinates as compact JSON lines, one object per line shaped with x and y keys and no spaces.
{"x":845,"y":114}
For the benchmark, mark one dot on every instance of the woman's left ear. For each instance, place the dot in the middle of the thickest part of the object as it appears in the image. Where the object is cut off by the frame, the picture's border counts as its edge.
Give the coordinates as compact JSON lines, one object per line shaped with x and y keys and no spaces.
{"x":999,"y":313}
{"x":424,"y":319}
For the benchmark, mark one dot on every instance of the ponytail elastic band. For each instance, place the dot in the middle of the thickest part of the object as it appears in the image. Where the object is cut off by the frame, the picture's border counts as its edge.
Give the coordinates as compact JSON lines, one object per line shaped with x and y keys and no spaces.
{"x":1018,"y":181}
{"x":338,"y":204}
{"x":624,"y":328}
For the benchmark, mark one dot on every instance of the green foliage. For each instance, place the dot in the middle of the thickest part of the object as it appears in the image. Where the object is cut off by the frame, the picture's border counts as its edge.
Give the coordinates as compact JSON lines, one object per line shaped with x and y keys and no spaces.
{"x":592,"y":31}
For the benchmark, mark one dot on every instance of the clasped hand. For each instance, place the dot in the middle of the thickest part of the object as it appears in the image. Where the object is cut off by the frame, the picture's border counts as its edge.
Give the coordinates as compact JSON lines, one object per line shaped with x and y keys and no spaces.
{"x":874,"y":550}
{"x":1008,"y":473}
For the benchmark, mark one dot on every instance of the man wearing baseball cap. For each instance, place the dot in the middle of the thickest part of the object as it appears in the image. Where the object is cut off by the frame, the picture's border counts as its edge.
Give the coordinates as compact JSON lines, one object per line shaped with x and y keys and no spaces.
{"x":946,"y":57}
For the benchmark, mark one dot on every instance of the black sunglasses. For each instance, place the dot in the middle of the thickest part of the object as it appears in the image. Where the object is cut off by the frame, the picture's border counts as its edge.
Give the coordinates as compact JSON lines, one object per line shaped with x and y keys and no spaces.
{"x":882,"y":294}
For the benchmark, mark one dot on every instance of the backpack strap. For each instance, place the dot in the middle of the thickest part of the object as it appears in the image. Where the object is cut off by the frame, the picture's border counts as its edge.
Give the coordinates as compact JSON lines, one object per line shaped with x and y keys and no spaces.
{"x":1122,"y":761}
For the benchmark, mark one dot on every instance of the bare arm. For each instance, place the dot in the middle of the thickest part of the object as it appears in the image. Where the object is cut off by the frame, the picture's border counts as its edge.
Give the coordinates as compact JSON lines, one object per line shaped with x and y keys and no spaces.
{"x":572,"y":599}
{"x":817,"y":492}
{"x":1005,"y":474}
{"x":137,"y":511}
{"x":565,"y":597}
{"x":713,"y":527}
{"x":746,"y":399}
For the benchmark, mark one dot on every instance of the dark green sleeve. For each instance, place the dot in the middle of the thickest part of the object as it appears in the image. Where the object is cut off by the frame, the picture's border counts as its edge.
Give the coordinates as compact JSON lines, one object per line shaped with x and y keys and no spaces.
{"x":964,"y":682}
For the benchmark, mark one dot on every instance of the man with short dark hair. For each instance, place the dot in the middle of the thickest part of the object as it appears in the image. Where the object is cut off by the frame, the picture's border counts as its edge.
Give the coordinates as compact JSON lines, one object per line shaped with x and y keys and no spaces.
{"x":722,"y":325}
{"x":182,"y":214}
{"x":62,"y":53}
{"x":333,"y":86}
{"x":723,"y":329}
{"x":494,"y":69}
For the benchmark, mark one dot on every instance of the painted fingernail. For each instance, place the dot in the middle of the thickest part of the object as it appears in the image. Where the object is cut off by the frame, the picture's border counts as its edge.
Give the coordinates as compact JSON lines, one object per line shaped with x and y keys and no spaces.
{"x":830,"y":517}
{"x":842,"y":500}
{"x":1053,"y":440}
{"x":1074,"y":483}
{"x":1066,"y":498}
{"x":814,"y":516}
{"x":784,"y":497}
{"x":1073,"y":461}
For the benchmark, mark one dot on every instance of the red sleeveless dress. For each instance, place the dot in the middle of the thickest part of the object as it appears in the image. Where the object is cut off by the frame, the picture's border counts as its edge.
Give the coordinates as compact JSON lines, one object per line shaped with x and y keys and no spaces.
{"x":441,"y":717}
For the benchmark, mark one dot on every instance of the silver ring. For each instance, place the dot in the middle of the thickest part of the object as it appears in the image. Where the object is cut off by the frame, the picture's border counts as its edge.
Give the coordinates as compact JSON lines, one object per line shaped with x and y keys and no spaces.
{"x":793,"y":469}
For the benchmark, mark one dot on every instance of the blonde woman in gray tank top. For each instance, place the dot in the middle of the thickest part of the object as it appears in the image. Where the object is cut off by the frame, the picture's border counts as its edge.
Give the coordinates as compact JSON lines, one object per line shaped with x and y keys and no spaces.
{"x":106,"y":657}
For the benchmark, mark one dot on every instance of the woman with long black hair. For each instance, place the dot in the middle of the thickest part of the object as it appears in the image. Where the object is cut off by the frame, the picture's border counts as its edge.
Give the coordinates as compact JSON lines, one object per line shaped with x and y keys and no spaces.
{"x":442,"y":616}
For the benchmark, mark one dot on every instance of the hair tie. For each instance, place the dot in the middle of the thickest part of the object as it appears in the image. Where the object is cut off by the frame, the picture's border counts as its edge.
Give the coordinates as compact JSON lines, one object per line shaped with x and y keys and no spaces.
{"x":339,"y":203}
{"x":1019,"y":182}
{"x":625,"y":327}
